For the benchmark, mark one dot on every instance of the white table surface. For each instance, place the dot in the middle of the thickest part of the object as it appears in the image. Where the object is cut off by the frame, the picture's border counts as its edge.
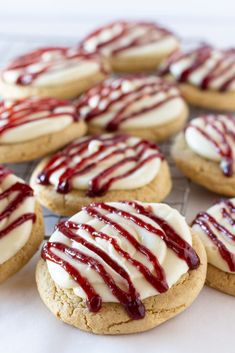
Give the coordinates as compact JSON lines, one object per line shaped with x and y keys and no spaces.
{"x":25,"y":323}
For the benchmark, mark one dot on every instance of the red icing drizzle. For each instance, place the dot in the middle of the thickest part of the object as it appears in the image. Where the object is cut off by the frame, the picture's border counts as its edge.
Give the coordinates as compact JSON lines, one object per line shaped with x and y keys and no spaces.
{"x":19,"y":113}
{"x":112,"y":91}
{"x":152,"y":33}
{"x":222,"y":66}
{"x":22,"y":192}
{"x":129,"y":299}
{"x":63,"y":57}
{"x":227,"y":139}
{"x":101,"y":182}
{"x":209,"y":224}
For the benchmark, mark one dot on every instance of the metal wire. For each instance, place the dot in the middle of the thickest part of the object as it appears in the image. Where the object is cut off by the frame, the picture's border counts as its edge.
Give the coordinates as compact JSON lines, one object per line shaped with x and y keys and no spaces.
{"x":178,"y":198}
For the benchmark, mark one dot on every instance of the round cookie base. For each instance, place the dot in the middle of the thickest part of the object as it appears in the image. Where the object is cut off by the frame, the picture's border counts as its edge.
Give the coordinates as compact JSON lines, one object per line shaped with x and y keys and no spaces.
{"x":153,"y":133}
{"x":41,"y":146}
{"x":139,"y":63}
{"x":67,"y":90}
{"x":15,"y":263}
{"x":220,"y":280}
{"x":201,"y":171}
{"x":112,"y":318}
{"x":207,"y":98}
{"x":71,"y":203}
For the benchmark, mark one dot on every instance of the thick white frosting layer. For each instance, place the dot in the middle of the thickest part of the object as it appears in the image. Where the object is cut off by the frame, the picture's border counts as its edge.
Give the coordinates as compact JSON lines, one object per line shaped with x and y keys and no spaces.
{"x":62,"y":70}
{"x":141,"y":177}
{"x":32,"y":127}
{"x":212,"y":126}
{"x":18,"y":237}
{"x":156,"y":43}
{"x":213,"y":255}
{"x":173,"y":266}
{"x":177,"y":67}
{"x":164,"y":113}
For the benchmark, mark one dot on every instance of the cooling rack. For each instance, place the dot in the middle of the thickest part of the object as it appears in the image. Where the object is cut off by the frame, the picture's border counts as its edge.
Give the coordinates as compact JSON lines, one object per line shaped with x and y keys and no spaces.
{"x":13,"y":45}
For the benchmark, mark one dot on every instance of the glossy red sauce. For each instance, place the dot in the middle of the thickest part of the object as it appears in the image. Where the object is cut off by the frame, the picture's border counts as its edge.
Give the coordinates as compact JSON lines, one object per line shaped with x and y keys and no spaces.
{"x":20,"y":112}
{"x":129,"y":298}
{"x":21,"y":191}
{"x":210,"y":225}
{"x":227,"y":140}
{"x":112,"y":92}
{"x":117,"y":42}
{"x":62,"y":57}
{"x":221,"y":67}
{"x":101,"y":182}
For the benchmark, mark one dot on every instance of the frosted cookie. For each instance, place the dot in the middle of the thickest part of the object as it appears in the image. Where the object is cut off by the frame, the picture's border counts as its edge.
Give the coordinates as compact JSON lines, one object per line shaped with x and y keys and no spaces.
{"x":206,"y":76}
{"x":100,"y":168}
{"x":205,"y":152}
{"x":132,"y":46}
{"x":60,"y":72}
{"x":119,"y":268}
{"x":21,"y":224}
{"x":144,"y":106}
{"x":33,"y":127}
{"x":216,"y":230}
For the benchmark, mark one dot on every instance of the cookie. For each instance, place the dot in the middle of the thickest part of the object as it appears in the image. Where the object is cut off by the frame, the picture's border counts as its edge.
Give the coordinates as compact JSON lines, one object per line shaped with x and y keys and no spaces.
{"x":145,"y":106}
{"x":59,"y":72}
{"x":205,"y":76}
{"x":205,"y":152}
{"x":100,"y":168}
{"x":21,"y":228}
{"x":33,"y":127}
{"x":216,"y":230}
{"x":132,"y":46}
{"x":119,"y":268}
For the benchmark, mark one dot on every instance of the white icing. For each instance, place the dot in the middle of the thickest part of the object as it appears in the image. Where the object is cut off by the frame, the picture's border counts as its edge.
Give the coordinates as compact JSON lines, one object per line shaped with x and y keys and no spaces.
{"x":18,"y":237}
{"x":163,"y":47}
{"x":141,"y":177}
{"x":62,"y":70}
{"x":177,"y":67}
{"x":213,"y":255}
{"x":200,"y":144}
{"x":173,"y":266}
{"x":32,"y":128}
{"x":156,"y":42}
{"x":166,"y":112}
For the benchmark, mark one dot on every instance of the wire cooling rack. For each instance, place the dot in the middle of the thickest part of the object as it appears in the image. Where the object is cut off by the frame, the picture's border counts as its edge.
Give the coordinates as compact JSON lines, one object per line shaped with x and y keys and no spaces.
{"x":14,"y":45}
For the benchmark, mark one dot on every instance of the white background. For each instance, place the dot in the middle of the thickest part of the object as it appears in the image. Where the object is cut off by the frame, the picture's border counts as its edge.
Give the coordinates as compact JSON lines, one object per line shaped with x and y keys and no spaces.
{"x":211,"y":19}
{"x":25,"y":324}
